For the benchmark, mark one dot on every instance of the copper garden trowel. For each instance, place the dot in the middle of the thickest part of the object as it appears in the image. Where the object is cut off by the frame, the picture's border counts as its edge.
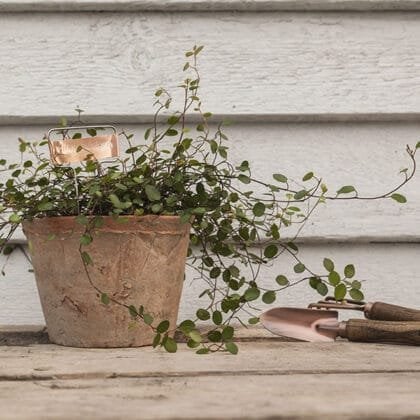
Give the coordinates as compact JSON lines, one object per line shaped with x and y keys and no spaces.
{"x":320,"y":325}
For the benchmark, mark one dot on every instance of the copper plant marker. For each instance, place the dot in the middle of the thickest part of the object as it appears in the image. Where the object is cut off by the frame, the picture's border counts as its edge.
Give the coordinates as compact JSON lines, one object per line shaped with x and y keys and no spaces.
{"x":67,"y":151}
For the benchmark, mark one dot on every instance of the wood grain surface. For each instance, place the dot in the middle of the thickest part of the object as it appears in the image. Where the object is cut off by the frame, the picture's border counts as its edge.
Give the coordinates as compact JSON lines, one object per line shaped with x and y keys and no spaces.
{"x":205,"y":5}
{"x":395,"y":332}
{"x":254,"y":63}
{"x":388,"y":312}
{"x":267,"y":379}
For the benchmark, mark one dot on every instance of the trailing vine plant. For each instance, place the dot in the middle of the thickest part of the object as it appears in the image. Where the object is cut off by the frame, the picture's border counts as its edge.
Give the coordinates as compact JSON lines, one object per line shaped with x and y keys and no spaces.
{"x":181,"y":167}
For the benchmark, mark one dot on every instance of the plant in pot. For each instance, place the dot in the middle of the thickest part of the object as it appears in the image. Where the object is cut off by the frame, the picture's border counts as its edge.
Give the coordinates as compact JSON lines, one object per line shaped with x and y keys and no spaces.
{"x":110,"y":240}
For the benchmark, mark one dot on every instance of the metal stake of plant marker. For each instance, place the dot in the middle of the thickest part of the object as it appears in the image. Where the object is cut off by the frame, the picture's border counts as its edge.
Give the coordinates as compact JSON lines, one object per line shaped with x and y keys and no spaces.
{"x":68,"y":150}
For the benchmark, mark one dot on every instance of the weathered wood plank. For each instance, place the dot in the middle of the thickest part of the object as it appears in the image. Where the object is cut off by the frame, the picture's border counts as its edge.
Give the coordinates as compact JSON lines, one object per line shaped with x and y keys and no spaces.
{"x":368,"y":156}
{"x":390,"y":272}
{"x":48,"y":361}
{"x":316,"y":396}
{"x":205,"y":5}
{"x":299,"y":63}
{"x":266,"y":380}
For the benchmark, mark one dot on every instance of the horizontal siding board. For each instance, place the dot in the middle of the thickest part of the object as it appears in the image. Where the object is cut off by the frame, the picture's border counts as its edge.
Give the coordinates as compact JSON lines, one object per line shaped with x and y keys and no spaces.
{"x":254,"y":63}
{"x":118,"y":119}
{"x":388,"y":272}
{"x":366,"y":155}
{"x":206,"y":5}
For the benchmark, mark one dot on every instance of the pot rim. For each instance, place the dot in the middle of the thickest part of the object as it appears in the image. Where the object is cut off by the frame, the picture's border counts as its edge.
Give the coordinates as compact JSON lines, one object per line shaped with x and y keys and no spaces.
{"x":130,"y":216}
{"x":162,"y":224}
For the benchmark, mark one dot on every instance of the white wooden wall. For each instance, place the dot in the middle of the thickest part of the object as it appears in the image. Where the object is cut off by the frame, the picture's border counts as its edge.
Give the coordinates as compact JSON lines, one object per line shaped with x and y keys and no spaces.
{"x":331,"y":86}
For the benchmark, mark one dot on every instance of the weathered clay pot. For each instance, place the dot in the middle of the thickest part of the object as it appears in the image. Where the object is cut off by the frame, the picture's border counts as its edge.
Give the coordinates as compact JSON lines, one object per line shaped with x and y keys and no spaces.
{"x":139,"y":262}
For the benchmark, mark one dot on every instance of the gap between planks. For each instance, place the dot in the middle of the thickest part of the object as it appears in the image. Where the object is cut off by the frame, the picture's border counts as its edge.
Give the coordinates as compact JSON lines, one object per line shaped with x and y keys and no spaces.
{"x":24,"y":6}
{"x":204,"y":373}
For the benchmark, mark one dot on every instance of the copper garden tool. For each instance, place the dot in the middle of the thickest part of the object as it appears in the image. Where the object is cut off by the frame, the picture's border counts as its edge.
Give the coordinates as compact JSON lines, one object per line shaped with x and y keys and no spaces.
{"x":319,"y":325}
{"x":372,"y":310}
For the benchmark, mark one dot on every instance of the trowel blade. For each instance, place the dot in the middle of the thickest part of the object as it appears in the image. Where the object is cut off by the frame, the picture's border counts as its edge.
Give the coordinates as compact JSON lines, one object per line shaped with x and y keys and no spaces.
{"x":302,"y":324}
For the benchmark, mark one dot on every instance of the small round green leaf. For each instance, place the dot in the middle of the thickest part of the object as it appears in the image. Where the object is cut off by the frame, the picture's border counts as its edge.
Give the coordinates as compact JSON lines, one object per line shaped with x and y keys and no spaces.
{"x":300,"y":194}
{"x":156,"y":340}
{"x":280,"y":178}
{"x":328,"y":264}
{"x":186,"y":326}
{"x":227,"y":333}
{"x":85,"y":239}
{"x":269,"y":297}
{"x":170,"y":345}
{"x":148,"y":319}
{"x":308,"y":176}
{"x":349,"y":271}
{"x":399,"y":198}
{"x":313,"y":282}
{"x":133,"y":311}
{"x":196,"y":336}
{"x":14,"y":218}
{"x":299,"y":268}
{"x":215,"y":272}
{"x":105,"y":299}
{"x":340,"y":292}
{"x":270,"y":251}
{"x":356,"y":294}
{"x":282,"y":280}
{"x":244,"y":179}
{"x":152,"y":193}
{"x":334,"y":278}
{"x":163,"y":326}
{"x":251,"y":294}
{"x":258,"y":209}
{"x":346,"y":189}
{"x":203,"y":314}
{"x":231,"y":348}
{"x":87,"y":259}
{"x":321,"y":288}
{"x":217,"y":317}
{"x":214,"y":336}
{"x":192,"y":344}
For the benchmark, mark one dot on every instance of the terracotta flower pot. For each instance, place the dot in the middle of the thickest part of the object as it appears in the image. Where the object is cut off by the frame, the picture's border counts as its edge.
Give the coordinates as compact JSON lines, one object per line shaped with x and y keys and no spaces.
{"x":139,"y":262}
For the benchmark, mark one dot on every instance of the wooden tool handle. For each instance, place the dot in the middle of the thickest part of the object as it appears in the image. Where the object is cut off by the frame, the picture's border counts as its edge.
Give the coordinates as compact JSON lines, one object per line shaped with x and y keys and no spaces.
{"x":386,"y":312}
{"x":381,"y":331}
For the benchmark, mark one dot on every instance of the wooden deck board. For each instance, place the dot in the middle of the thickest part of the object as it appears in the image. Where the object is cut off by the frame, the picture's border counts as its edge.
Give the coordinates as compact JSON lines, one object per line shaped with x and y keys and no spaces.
{"x":269,"y":378}
{"x":323,"y":396}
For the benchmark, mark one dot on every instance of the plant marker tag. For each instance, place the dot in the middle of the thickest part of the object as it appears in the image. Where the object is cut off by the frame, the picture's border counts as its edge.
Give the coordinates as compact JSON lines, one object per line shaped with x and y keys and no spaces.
{"x":88,"y":148}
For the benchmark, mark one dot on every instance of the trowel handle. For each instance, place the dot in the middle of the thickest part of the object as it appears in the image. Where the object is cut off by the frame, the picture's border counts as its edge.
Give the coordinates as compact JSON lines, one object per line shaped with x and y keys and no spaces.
{"x":367,"y":330}
{"x":387,"y":312}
